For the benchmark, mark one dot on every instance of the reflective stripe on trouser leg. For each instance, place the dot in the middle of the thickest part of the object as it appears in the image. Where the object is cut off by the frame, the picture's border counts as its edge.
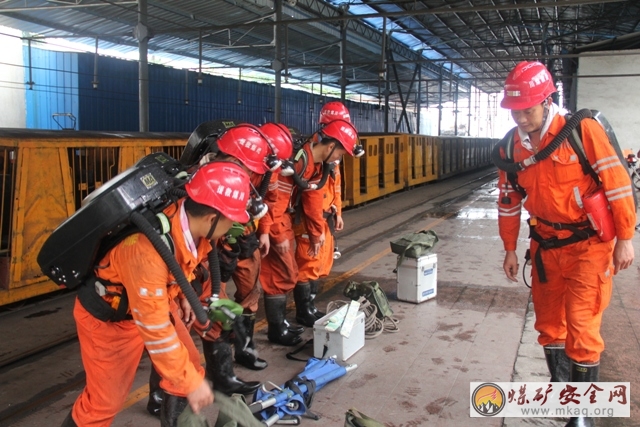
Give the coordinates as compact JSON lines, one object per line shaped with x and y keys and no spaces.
{"x":185,"y":337}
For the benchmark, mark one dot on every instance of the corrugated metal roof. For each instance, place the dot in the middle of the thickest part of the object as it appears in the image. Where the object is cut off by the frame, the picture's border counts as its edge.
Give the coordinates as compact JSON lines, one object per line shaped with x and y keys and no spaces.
{"x":458,"y":44}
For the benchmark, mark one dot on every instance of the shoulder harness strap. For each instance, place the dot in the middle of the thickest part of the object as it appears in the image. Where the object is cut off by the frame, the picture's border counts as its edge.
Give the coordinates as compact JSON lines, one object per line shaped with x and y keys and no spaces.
{"x":91,"y":291}
{"x":508,"y":152}
{"x":575,"y":140}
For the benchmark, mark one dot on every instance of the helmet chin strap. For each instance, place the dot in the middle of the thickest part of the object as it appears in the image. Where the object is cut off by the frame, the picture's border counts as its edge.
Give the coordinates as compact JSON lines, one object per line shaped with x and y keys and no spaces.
{"x":214,"y":224}
{"x":545,"y":115}
{"x":330,"y":154}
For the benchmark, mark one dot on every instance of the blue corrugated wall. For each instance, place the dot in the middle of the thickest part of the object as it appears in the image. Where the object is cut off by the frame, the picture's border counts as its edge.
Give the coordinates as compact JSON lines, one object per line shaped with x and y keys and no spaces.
{"x":55,"y":88}
{"x":176,"y":102}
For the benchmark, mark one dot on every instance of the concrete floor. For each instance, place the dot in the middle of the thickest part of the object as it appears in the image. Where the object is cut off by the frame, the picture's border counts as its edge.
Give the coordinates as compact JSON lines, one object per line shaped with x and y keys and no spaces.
{"x":478,"y":328}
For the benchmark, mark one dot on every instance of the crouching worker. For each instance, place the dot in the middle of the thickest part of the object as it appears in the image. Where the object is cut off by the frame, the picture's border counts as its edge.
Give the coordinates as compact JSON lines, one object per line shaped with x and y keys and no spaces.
{"x":111,"y":351}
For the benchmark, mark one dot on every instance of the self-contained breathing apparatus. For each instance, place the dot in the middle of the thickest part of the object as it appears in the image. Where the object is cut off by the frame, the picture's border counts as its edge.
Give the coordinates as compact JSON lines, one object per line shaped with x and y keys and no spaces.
{"x":129,"y":203}
{"x":596,"y":206}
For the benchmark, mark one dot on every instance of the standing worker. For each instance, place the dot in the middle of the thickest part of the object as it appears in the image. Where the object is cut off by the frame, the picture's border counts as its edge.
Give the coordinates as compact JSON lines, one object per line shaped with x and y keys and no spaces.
{"x":312,"y":268}
{"x":111,"y":351}
{"x":246,"y":273}
{"x":573,"y":263}
{"x":296,"y":193}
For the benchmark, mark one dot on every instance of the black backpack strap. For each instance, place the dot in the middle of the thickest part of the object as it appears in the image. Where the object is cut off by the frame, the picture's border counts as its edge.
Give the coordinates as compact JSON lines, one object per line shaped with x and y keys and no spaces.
{"x":512,"y":178}
{"x":92,"y":301}
{"x":575,"y":140}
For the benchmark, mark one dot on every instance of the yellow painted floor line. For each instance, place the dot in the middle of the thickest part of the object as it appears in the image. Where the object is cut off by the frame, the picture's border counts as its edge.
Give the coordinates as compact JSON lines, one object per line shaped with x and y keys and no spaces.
{"x":142,"y":392}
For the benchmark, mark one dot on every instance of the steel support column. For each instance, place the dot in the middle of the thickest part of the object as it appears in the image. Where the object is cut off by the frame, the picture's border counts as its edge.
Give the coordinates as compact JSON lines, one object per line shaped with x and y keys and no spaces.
{"x":142,"y":34}
{"x":455,"y":111}
{"x":343,"y":60}
{"x":440,"y":107}
{"x":277,"y":63}
{"x":418,"y":99}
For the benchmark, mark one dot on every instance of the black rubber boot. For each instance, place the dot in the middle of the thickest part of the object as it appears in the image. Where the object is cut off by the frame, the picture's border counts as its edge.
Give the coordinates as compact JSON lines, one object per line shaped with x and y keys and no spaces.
{"x":155,"y":393}
{"x":245,"y":349}
{"x":306,"y":312}
{"x":68,"y":422}
{"x":315,"y":290}
{"x":557,"y":362}
{"x":583,"y":373}
{"x":219,"y":360}
{"x":297,"y":330}
{"x":172,"y":407}
{"x":275,"y":307}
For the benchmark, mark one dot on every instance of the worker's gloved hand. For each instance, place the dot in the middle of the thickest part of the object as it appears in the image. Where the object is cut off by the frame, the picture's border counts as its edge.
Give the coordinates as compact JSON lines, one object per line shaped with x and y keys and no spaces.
{"x":248,"y":245}
{"x":228,"y":257}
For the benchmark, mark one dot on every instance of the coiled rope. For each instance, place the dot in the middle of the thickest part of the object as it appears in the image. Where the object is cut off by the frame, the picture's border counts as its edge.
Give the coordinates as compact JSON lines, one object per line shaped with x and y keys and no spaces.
{"x":373,"y":326}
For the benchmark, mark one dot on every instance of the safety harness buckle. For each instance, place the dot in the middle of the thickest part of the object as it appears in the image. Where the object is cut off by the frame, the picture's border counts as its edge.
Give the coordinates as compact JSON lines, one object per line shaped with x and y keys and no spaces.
{"x":550,"y":243}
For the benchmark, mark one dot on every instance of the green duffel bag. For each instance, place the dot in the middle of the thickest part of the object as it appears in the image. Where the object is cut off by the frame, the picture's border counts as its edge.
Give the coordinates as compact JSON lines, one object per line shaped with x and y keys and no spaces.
{"x":414,"y":245}
{"x":355,"y":418}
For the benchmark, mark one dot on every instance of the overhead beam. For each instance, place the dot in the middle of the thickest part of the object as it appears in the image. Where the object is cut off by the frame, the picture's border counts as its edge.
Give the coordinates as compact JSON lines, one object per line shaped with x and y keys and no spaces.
{"x":70,"y":6}
{"x":406,"y":13}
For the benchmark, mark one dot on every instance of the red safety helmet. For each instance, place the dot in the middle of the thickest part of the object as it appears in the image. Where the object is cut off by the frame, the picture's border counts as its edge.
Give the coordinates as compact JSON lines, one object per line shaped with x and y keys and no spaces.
{"x":343,"y":132}
{"x":527,"y":85}
{"x":223,"y":186}
{"x":246,"y":143}
{"x":280,"y":138}
{"x":333,"y":110}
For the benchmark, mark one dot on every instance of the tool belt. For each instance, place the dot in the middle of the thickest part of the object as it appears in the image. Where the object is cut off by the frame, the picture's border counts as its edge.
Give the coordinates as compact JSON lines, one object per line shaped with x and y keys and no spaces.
{"x":581,"y":231}
{"x":90,"y":296}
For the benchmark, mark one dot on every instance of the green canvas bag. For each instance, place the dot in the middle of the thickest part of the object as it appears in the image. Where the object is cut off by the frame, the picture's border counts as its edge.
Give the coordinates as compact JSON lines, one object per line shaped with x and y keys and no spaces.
{"x":373,"y":293}
{"x":355,"y":418}
{"x":414,"y":245}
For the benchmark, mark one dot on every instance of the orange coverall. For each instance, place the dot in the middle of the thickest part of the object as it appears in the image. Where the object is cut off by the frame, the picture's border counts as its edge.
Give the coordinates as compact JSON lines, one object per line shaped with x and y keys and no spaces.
{"x":569,"y":306}
{"x":279,"y":272}
{"x":313,"y":268}
{"x":111,"y":351}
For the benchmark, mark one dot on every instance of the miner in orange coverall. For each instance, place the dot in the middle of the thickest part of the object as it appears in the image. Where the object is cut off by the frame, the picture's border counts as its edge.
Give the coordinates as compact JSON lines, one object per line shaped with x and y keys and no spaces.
{"x":296,"y":195}
{"x":311,"y":268}
{"x":572,"y":267}
{"x":250,"y":155}
{"x":259,"y":152}
{"x":111,"y":351}
{"x":275,"y":144}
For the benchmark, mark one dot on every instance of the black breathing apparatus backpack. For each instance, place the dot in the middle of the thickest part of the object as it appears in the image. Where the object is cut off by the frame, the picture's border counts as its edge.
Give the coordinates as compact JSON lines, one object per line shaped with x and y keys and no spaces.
{"x":131,"y":202}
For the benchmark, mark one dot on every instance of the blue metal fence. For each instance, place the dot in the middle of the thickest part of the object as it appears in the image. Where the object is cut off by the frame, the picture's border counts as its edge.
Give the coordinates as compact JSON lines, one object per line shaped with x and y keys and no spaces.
{"x":52,"y":93}
{"x":65,"y":83}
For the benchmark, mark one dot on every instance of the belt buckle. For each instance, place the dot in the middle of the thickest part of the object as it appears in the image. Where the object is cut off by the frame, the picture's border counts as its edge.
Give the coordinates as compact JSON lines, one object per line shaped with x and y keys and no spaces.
{"x":549,"y":243}
{"x":556,"y":226}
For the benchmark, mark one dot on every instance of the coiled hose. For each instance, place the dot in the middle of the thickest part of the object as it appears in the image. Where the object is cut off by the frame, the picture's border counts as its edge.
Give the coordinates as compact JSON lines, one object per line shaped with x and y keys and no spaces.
{"x":214,"y":270}
{"x":301,"y":183}
{"x":511,"y":167}
{"x":264,"y":185}
{"x":147,"y":229}
{"x":326,"y":170}
{"x":178,"y":192}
